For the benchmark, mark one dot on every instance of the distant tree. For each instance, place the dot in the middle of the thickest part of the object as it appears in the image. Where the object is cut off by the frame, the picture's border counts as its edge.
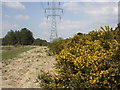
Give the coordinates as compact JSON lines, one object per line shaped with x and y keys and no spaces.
{"x":26,"y":37}
{"x":4,"y":41}
{"x":10,"y":38}
{"x":22,"y":37}
{"x":18,"y":37}
{"x":0,"y":41}
{"x":40,"y":42}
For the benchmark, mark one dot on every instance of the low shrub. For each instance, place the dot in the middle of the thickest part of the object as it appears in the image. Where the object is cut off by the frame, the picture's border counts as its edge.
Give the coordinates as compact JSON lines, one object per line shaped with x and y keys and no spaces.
{"x":56,"y":45}
{"x":87,"y":62}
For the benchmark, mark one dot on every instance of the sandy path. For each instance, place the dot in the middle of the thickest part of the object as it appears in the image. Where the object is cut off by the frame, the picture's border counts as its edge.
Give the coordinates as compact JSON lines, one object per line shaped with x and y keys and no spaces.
{"x":23,"y":71}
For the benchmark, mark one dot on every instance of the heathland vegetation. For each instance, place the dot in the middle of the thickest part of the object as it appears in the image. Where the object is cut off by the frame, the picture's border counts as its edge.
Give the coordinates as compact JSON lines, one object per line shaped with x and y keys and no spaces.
{"x":86,"y":61}
{"x":83,"y":61}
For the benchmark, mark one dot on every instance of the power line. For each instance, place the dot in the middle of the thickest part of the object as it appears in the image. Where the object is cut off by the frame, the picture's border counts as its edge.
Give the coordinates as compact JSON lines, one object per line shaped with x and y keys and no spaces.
{"x":42,"y":5}
{"x":53,"y":16}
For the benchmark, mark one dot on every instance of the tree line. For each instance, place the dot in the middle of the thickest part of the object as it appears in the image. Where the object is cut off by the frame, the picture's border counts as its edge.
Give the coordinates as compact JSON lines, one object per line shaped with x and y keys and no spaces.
{"x":22,"y":37}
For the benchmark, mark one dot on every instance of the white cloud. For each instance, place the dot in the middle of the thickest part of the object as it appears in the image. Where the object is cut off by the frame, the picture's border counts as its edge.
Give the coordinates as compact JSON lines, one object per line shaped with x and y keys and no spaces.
{"x":43,"y":25}
{"x":93,"y":8}
{"x":70,"y":25}
{"x":22,"y":17}
{"x":69,"y":28}
{"x":70,"y":6}
{"x":7,"y":16}
{"x":44,"y":29}
{"x":45,"y":19}
{"x":0,"y":29}
{"x":91,"y":0}
{"x":18,"y":17}
{"x":6,"y":26}
{"x":62,"y":0}
{"x":102,"y":9}
{"x":15,"y":5}
{"x":65,"y":29}
{"x":95,"y":14}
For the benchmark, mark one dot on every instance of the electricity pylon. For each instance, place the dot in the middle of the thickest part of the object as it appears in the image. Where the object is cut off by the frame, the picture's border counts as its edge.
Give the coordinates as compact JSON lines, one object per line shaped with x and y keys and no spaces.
{"x":52,"y":16}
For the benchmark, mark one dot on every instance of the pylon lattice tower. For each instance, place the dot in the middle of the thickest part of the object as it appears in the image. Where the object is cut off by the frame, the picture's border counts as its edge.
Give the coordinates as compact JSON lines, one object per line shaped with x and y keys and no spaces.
{"x":53,"y":10}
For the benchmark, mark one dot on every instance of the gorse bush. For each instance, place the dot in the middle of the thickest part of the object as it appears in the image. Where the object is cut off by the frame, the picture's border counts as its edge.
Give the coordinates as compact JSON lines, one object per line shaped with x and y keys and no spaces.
{"x":56,"y":45}
{"x":88,"y":61}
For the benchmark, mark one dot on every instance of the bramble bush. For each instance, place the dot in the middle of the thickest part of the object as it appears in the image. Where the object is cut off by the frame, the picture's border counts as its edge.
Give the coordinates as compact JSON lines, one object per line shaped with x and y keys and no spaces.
{"x":88,"y":61}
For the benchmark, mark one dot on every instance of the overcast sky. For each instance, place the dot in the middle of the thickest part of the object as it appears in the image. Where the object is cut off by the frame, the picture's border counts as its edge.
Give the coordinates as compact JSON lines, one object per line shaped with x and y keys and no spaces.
{"x":77,"y":17}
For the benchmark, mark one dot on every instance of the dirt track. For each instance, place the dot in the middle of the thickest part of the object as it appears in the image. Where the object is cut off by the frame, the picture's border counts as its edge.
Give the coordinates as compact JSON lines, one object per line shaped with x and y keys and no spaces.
{"x":22,"y":72}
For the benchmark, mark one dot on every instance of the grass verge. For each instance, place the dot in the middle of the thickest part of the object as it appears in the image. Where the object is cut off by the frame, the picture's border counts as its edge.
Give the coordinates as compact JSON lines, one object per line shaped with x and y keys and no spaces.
{"x":10,"y":54}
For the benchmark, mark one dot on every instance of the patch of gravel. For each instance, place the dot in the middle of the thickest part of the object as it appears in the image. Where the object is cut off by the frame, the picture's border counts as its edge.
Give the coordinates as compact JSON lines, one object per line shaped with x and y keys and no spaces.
{"x":22,"y":72}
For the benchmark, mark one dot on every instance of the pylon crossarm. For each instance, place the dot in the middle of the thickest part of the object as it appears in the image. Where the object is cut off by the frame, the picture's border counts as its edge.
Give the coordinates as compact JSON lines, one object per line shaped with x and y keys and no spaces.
{"x":53,"y":9}
{"x":53,"y":15}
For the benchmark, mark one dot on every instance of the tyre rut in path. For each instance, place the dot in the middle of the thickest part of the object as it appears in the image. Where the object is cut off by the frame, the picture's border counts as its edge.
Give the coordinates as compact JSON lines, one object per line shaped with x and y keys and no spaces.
{"x":22,"y":72}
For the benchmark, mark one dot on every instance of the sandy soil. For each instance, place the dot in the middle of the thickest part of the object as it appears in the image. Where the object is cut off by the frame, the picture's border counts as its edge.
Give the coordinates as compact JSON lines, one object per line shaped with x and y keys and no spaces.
{"x":22,"y":72}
